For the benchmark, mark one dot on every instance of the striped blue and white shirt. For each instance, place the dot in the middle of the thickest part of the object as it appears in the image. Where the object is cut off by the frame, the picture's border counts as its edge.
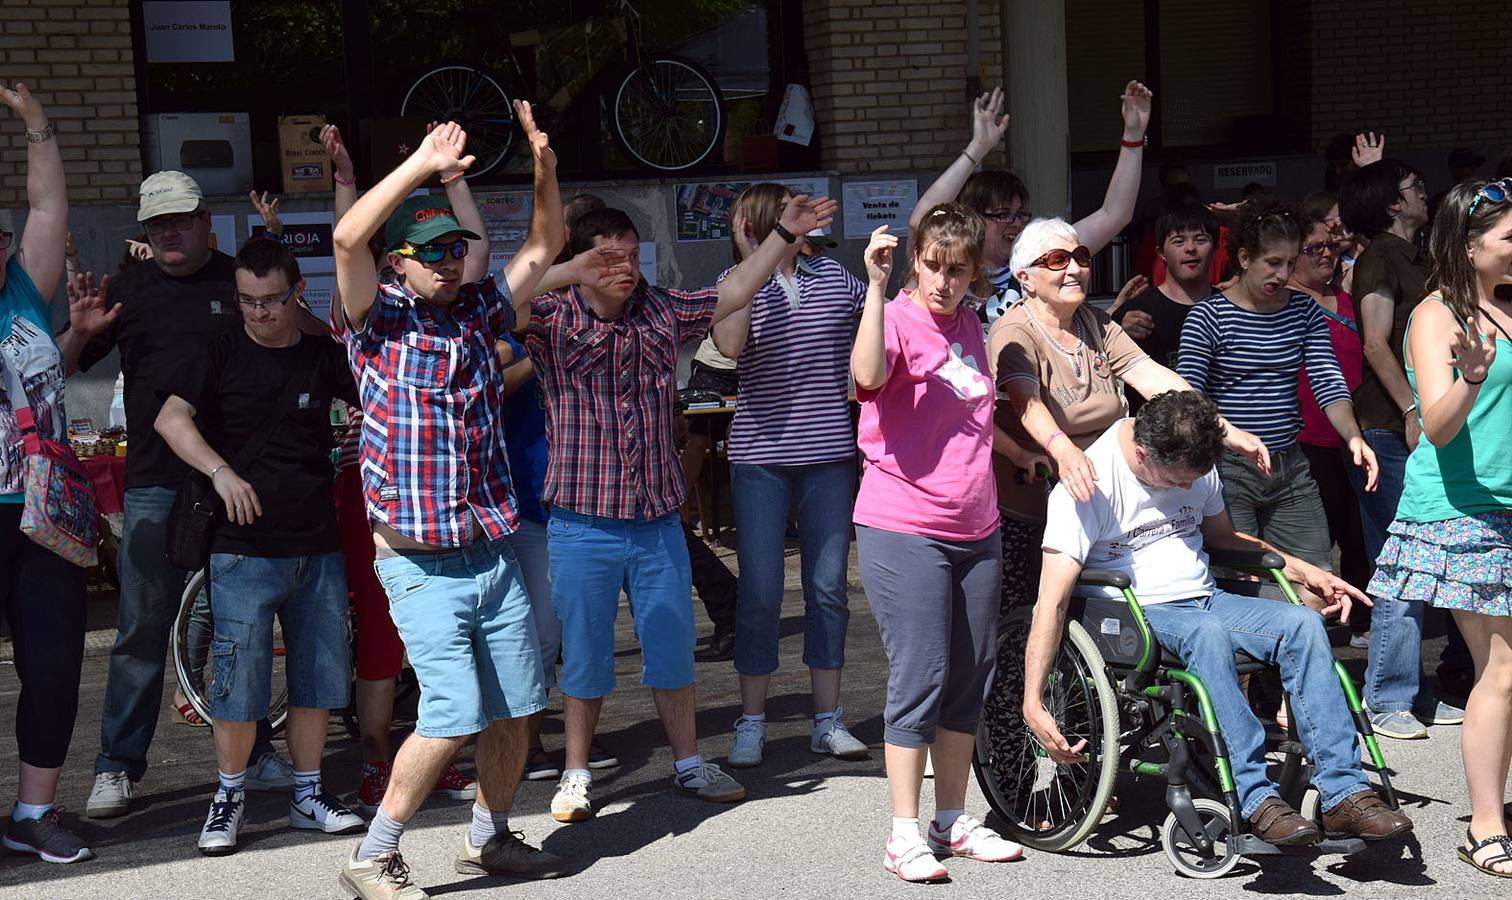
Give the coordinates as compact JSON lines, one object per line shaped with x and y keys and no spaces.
{"x":792,"y":406}
{"x":1248,"y":363}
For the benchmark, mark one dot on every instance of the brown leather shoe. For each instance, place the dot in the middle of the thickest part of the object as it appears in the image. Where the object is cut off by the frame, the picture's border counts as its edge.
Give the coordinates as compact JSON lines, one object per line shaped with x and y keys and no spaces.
{"x":1364,"y":815}
{"x":1275,"y":822}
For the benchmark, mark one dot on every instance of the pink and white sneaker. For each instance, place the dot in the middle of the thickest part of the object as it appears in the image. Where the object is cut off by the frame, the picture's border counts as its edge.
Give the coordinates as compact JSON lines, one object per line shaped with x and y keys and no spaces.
{"x":976,"y":841}
{"x":912,"y":860}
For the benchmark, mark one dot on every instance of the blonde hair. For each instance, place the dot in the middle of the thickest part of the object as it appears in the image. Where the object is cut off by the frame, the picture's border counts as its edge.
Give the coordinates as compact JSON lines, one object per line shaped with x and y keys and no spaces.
{"x":761,"y":204}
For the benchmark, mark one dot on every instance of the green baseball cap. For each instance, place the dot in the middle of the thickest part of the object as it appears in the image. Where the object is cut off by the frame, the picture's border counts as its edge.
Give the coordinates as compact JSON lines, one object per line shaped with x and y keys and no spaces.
{"x":420,"y":220}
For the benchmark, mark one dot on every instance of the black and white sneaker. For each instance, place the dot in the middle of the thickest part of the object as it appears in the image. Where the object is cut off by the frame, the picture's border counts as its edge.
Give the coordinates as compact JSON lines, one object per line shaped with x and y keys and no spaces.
{"x":224,"y":823}
{"x":324,"y":812}
{"x":47,"y":838}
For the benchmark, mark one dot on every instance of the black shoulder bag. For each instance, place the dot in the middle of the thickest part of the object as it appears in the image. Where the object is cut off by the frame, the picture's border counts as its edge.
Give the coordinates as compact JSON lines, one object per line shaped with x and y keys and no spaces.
{"x":197,"y":507}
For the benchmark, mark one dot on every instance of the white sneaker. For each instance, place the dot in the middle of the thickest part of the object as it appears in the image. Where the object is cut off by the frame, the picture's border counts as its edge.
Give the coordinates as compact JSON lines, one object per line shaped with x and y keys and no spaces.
{"x":272,"y":773}
{"x":750,"y":738}
{"x":109,"y":797}
{"x":911,"y":860}
{"x":1359,"y":641}
{"x":709,"y":782}
{"x":832,"y":737}
{"x":223,"y":824}
{"x":324,"y":812}
{"x":976,"y":841}
{"x":571,"y":802}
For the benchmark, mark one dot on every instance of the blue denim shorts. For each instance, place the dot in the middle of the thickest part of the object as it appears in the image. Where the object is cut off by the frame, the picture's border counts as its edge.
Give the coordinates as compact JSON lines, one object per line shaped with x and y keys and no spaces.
{"x":592,"y":560}
{"x":309,"y":596}
{"x":466,"y":625}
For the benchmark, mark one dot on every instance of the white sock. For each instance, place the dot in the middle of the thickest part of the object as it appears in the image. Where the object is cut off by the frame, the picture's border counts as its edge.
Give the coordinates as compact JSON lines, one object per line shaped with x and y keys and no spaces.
{"x":233,"y":781}
{"x":24,"y":812}
{"x":906,"y":829}
{"x":945,"y":819}
{"x":821,"y":718}
{"x":306,"y":785}
{"x":688,"y":764}
{"x":759,"y":717}
{"x":584,"y":775}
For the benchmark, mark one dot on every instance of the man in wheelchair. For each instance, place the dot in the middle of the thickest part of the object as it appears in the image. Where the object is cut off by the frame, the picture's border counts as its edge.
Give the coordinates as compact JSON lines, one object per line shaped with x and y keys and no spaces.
{"x":1158,"y":501}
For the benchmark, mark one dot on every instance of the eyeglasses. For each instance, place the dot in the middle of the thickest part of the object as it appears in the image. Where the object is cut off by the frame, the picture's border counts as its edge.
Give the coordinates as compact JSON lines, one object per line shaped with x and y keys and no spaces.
{"x":1416,"y":185}
{"x":1495,"y":191}
{"x":259,"y":304}
{"x":1009,"y":217}
{"x":1058,"y":259}
{"x":433,"y":253}
{"x":180,"y":222}
{"x":5,"y":239}
{"x":1321,"y":248}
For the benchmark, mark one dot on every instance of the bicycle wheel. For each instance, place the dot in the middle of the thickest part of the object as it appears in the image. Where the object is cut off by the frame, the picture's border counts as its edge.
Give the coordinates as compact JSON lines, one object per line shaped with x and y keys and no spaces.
{"x":193,"y":634}
{"x":668,"y":114}
{"x":471,"y":98}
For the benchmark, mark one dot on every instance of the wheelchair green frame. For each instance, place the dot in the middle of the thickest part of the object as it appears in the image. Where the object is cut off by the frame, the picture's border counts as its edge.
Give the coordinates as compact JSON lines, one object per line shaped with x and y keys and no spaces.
{"x":1143,"y":700}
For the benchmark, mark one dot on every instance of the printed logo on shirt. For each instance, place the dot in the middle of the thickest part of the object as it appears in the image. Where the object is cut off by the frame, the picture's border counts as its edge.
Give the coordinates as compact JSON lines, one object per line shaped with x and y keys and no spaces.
{"x":1183,"y":524}
{"x":964,"y":375}
{"x":388,"y":493}
{"x":217,"y":308}
{"x":307,"y":402}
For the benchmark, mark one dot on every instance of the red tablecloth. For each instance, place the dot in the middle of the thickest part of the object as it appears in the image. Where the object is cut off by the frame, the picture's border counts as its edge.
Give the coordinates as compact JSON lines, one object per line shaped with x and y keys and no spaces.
{"x":109,"y":476}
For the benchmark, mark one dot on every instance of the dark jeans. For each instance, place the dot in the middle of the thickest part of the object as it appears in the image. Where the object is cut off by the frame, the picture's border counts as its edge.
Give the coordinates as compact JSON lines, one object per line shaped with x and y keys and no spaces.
{"x":1341,"y":506}
{"x":716,"y":585}
{"x":42,"y":597}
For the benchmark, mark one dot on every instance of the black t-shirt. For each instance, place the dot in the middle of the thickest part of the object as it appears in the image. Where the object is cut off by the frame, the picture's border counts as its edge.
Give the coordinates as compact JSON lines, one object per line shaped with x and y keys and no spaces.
{"x":164,"y":321}
{"x":234,"y":388}
{"x":1163,"y":342}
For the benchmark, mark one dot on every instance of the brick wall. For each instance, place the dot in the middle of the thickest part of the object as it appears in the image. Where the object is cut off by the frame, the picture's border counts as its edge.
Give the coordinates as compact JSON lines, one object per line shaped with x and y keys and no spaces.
{"x":76,"y":57}
{"x":888,"y":80}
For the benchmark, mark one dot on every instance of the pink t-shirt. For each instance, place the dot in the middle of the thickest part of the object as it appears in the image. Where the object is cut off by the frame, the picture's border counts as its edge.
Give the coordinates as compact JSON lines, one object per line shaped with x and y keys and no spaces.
{"x":1316,"y":429}
{"x":927,"y":432}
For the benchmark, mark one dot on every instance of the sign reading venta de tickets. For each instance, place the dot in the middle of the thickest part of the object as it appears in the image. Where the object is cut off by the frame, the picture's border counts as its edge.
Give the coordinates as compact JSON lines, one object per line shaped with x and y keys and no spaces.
{"x":194,"y":31}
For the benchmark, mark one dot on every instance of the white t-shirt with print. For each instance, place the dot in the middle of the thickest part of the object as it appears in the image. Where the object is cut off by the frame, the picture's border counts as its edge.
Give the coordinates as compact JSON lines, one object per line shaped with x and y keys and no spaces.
{"x":1155,"y":536}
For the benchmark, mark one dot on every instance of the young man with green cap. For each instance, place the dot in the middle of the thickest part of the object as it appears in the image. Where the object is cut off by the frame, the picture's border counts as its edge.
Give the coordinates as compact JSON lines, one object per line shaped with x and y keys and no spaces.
{"x":437,"y":488}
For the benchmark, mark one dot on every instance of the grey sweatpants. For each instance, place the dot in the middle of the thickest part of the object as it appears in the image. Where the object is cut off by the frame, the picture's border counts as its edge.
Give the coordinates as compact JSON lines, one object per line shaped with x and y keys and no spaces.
{"x":936,"y":604}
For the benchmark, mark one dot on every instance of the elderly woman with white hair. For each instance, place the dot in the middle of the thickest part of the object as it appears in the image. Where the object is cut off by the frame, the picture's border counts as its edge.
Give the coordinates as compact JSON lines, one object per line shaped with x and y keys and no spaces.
{"x":1062,"y":365}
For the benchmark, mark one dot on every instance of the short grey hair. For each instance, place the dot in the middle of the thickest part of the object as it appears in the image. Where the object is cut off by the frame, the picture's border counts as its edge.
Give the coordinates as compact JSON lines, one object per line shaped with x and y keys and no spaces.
{"x":1036,"y":238}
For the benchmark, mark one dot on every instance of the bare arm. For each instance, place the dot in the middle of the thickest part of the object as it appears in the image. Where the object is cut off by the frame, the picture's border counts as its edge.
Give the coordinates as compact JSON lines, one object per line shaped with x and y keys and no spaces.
{"x":869,"y":353}
{"x":731,"y":332}
{"x":1377,"y":314}
{"x":1149,"y":379}
{"x":88,"y":315}
{"x":175,"y":422}
{"x":1058,"y":574}
{"x":42,"y":243}
{"x":1098,"y":230}
{"x":517,"y":369}
{"x":1338,"y":595}
{"x":597,"y":267}
{"x":1439,"y":346}
{"x":799,"y":216}
{"x":468,"y":216}
{"x":988,"y":125}
{"x":524,"y":272}
{"x":345,"y":176}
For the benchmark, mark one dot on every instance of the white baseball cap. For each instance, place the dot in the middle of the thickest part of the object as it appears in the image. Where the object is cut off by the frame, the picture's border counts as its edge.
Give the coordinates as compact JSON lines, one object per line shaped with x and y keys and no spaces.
{"x":165,"y":193}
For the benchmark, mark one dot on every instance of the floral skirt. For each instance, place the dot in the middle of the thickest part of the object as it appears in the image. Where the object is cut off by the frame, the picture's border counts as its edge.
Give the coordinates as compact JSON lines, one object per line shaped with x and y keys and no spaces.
{"x":1463,"y":563}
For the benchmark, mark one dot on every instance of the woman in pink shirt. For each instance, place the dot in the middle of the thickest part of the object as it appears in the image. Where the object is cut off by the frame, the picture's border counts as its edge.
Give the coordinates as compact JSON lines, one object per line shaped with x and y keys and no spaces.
{"x":927,"y":530}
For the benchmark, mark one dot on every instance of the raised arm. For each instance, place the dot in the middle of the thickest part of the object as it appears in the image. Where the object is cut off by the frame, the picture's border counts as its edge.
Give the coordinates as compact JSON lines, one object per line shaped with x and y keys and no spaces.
{"x":42,"y":243}
{"x":799,"y":216}
{"x":342,"y":172}
{"x":356,"y":272}
{"x":465,"y":208}
{"x":88,"y":315}
{"x":1058,"y":574}
{"x":596,"y":267}
{"x":869,"y":354}
{"x":1098,"y":230}
{"x":1149,"y":379}
{"x":1439,"y":347}
{"x":731,"y":332}
{"x":988,"y":125}
{"x":525,"y":270}
{"x":175,"y":422}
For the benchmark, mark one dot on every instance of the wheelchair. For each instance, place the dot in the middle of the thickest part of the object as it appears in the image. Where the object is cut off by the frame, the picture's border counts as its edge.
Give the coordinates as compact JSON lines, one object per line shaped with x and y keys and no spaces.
{"x":1140,"y":711}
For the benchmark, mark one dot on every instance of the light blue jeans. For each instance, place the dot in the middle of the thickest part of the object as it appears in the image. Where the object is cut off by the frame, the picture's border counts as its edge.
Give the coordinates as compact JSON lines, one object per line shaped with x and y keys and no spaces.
{"x":1204,"y":632}
{"x":824,"y":493}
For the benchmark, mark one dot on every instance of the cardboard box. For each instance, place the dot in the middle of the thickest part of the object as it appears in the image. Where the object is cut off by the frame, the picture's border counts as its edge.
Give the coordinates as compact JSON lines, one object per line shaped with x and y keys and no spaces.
{"x":302,"y":159}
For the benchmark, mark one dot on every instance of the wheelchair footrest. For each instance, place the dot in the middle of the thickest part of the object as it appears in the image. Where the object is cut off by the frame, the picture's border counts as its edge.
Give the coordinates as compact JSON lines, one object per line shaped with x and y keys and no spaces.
{"x":1250,"y":845}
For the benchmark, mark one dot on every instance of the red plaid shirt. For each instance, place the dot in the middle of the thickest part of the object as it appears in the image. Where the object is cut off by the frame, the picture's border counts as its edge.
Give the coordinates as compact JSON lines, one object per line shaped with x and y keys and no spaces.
{"x":611,"y":389}
{"x":432,"y":453}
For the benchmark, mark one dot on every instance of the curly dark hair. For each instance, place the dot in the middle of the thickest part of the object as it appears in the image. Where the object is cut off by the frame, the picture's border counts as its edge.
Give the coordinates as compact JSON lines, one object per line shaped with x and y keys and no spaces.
{"x":1263,"y":220}
{"x":1180,"y":429}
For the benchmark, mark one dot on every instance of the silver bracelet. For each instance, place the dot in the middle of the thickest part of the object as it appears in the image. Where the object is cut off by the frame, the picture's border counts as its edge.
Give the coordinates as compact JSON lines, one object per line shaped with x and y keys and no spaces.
{"x":37,"y":137}
{"x":217,"y":469}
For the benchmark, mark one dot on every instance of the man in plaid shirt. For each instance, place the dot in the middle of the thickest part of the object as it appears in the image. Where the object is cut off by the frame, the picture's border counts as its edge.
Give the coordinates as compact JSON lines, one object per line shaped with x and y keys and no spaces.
{"x":606,"y":353}
{"x":437,"y":489}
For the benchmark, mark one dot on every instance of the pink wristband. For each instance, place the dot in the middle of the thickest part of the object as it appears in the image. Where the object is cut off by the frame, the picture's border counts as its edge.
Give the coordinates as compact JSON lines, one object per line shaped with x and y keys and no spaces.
{"x":346,"y":181}
{"x":1052,"y":438}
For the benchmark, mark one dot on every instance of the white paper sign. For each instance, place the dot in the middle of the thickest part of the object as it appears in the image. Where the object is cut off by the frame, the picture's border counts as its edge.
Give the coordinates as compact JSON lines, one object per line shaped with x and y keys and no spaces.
{"x":319,"y":289}
{"x":308,"y":234}
{"x":195,"y":31}
{"x":868,"y":204}
{"x":1237,"y":175}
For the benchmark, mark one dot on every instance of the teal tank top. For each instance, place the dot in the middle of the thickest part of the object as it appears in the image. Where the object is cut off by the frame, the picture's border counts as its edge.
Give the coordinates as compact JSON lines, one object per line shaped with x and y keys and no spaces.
{"x":1473,"y":472}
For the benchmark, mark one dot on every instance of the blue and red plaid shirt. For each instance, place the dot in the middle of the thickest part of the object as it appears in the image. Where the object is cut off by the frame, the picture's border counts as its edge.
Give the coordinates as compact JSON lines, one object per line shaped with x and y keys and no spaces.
{"x":611,"y":392}
{"x":432,"y":454}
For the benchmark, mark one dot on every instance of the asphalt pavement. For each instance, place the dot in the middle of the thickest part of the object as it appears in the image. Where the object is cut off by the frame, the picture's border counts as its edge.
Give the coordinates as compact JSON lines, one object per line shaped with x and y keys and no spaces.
{"x":812,"y":826}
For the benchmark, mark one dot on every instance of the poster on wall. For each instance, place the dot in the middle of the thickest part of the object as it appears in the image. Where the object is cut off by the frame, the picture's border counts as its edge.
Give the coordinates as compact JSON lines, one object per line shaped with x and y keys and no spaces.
{"x":319,"y":289}
{"x":308,"y":234}
{"x":868,"y":204}
{"x":195,"y":31}
{"x":703,"y":207}
{"x":223,"y":234}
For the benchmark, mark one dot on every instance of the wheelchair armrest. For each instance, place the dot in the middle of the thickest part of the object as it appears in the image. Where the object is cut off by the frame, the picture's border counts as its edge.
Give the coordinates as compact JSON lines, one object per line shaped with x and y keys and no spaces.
{"x":1260,"y":560}
{"x":1104,"y":578}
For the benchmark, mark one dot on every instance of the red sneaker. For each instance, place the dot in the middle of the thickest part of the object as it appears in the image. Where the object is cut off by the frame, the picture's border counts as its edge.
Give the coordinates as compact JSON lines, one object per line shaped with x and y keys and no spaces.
{"x":375,"y":779}
{"x":456,"y":785}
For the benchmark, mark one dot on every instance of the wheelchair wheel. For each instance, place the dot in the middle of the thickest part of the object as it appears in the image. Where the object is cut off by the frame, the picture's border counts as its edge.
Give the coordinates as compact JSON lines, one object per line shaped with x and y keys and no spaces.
{"x":1041,"y":804}
{"x":193,"y":634}
{"x":1184,"y":853}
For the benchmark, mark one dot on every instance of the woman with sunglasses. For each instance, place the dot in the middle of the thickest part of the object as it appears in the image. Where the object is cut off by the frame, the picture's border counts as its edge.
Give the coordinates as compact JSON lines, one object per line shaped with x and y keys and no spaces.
{"x":1062,"y":365}
{"x":1454,"y":521}
{"x":1002,"y":200}
{"x":1245,"y":348}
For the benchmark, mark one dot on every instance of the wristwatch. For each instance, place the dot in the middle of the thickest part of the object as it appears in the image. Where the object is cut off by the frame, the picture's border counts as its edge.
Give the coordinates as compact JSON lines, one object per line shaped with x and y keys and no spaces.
{"x":37,"y":137}
{"x":784,"y":233}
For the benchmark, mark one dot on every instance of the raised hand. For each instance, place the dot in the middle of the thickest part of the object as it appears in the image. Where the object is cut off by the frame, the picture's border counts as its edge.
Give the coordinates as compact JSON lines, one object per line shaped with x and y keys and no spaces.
{"x":1137,"y":100}
{"x":800,"y":215}
{"x":740,"y":230}
{"x":71,"y":253}
{"x":988,"y":123}
{"x":336,"y":151}
{"x":600,"y":268}
{"x":267,"y":208}
{"x":879,"y":255}
{"x":1131,"y":289}
{"x":444,"y":150}
{"x":540,"y":144}
{"x":1472,"y":354}
{"x":24,"y":105}
{"x":141,"y":251}
{"x":88,"y":313}
{"x":1368,"y":148}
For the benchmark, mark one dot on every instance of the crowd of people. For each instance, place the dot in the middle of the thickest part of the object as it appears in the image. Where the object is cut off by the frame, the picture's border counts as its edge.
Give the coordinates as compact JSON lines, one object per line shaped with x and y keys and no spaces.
{"x":1304,"y":378}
